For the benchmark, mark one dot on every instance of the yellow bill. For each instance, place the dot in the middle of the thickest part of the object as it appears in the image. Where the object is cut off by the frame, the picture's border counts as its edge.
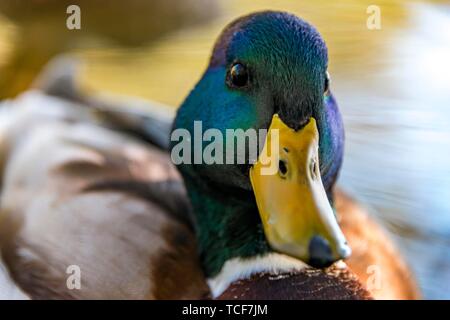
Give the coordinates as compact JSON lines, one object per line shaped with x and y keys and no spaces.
{"x":297,"y":217}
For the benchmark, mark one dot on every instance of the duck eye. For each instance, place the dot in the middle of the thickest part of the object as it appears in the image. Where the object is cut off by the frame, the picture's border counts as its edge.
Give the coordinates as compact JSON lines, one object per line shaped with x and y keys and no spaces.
{"x":238,"y":76}
{"x":327,"y":83}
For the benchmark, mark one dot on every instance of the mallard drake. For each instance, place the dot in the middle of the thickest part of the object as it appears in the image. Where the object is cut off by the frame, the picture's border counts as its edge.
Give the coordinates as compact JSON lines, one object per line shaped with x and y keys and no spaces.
{"x":116,"y":207}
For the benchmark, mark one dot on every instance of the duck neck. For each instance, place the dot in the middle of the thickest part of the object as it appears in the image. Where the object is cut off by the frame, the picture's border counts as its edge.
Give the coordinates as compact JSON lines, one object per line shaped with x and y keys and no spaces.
{"x":227,"y":225}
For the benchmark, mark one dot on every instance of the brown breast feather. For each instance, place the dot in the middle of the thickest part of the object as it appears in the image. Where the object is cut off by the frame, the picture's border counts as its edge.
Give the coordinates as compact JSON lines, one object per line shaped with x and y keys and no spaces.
{"x":308,"y":284}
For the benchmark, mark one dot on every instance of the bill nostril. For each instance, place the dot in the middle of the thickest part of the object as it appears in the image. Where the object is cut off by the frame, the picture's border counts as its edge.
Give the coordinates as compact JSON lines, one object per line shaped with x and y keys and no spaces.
{"x":314,"y":171}
{"x":320,"y":254}
{"x":282,"y":168}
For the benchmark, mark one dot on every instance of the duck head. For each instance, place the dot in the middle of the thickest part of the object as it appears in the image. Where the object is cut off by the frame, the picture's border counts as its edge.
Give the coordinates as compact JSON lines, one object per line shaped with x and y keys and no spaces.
{"x":268,"y":70}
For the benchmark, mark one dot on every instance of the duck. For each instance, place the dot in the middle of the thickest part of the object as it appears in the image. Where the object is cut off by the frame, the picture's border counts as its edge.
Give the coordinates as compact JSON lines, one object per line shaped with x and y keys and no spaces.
{"x":93,"y":184}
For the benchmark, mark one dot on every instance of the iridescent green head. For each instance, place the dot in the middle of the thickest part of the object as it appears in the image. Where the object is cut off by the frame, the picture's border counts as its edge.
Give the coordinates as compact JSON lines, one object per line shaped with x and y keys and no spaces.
{"x":262,"y":64}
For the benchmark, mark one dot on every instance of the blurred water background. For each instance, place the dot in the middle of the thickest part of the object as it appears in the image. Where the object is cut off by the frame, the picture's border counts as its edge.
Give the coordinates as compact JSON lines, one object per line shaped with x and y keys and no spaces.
{"x":393,"y":87}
